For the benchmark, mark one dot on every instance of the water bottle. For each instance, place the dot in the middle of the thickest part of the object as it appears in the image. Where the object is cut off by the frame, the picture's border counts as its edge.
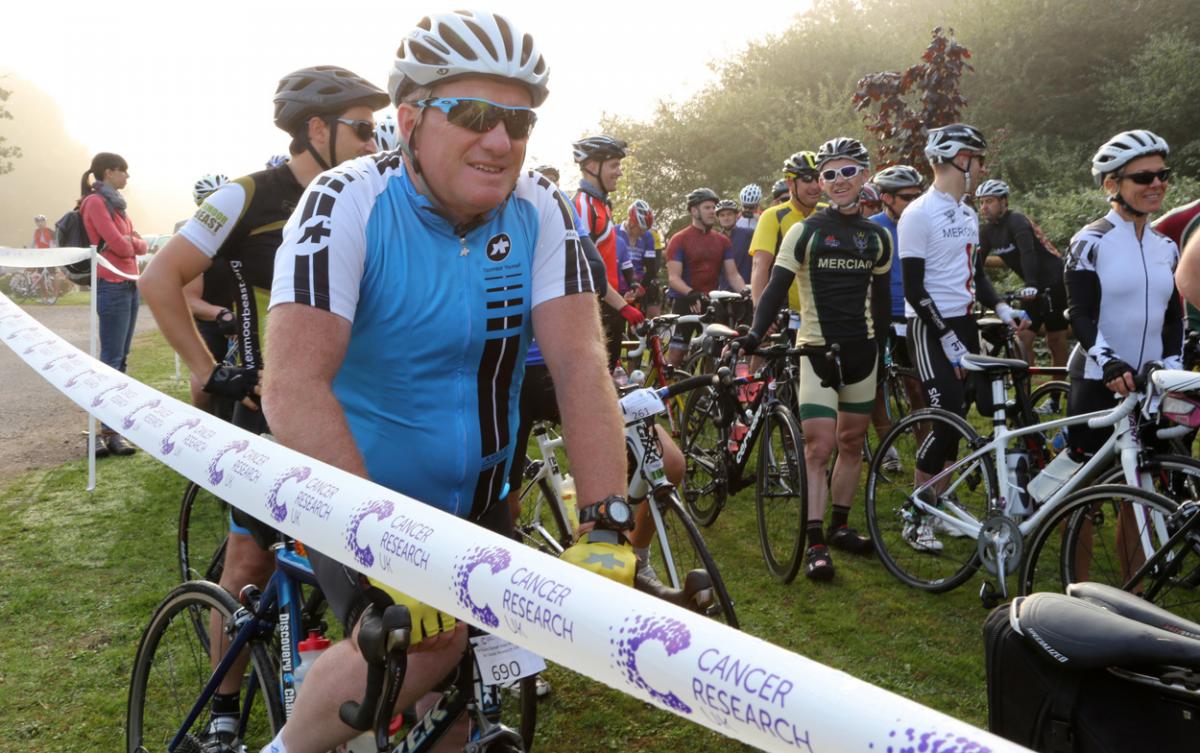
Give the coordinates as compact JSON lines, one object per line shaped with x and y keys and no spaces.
{"x":308,"y":651}
{"x":620,"y":378}
{"x":741,"y":370}
{"x":638,"y":377}
{"x":568,"y":498}
{"x":1053,"y":476}
{"x":1059,"y":441}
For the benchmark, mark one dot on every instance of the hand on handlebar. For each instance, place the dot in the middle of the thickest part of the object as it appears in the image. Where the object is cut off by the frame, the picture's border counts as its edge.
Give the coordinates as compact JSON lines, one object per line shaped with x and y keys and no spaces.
{"x":235,"y":383}
{"x":747,"y":344}
{"x":632,"y":315}
{"x":1118,"y":377}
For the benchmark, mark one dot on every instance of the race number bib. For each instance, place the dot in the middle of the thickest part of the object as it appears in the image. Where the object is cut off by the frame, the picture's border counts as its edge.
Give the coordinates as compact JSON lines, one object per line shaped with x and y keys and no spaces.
{"x":503,"y":663}
{"x":640,"y":404}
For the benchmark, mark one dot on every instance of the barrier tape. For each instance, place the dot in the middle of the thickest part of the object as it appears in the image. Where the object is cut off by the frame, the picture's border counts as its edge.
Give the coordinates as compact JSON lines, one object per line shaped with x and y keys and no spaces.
{"x":36,"y":258}
{"x":696,"y":668}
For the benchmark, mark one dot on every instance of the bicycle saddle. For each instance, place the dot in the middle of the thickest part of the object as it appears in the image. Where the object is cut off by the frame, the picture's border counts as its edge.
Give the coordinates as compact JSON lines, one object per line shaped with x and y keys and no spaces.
{"x":990,"y":365}
{"x":1134,"y":607}
{"x":990,"y":322}
{"x":1077,"y":634}
{"x":1174,"y":380}
{"x":719,"y":330}
{"x":724,"y":295}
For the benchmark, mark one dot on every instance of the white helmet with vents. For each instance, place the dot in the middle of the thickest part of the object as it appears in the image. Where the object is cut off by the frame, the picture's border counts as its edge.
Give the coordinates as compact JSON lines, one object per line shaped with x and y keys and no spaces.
{"x":1124,"y":148}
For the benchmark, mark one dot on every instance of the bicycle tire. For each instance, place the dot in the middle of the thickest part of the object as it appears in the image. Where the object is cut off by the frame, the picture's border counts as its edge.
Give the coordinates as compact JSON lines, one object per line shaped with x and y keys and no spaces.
{"x":781,"y":494}
{"x":1051,"y":399}
{"x":889,"y":510}
{"x":527,"y":725}
{"x":1176,"y":477}
{"x":267,"y":713}
{"x":1089,"y":519}
{"x":705,"y":476}
{"x":895,"y":393}
{"x":199,"y":531}
{"x":540,"y":523}
{"x":682,"y":538}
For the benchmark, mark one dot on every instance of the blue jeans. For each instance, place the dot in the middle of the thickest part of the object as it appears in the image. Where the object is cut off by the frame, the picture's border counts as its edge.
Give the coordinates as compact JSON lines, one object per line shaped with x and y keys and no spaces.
{"x":117,"y":310}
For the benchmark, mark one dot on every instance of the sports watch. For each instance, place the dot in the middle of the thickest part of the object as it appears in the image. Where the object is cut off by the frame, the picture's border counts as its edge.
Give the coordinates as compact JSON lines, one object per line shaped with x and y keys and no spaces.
{"x":611,"y":513}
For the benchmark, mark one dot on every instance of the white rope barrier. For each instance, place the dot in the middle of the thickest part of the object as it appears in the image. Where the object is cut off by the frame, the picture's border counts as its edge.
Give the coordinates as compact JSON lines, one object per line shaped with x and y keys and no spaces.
{"x":696,"y":668}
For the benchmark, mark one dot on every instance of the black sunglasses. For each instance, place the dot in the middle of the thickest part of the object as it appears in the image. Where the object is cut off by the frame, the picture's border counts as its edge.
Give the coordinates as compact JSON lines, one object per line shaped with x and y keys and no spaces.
{"x":1146,"y":177}
{"x":364,"y":130}
{"x":481,"y":116}
{"x":908,"y":196}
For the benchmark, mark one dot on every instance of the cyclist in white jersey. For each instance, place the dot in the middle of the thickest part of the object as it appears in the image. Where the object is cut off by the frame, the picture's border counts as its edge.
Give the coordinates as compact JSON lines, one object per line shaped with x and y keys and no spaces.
{"x":1124,"y":306}
{"x":938,"y":238}
{"x":407,"y":288}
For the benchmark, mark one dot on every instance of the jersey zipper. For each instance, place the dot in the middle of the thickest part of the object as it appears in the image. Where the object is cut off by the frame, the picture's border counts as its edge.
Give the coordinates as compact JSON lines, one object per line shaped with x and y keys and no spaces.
{"x":464,"y":305}
{"x":1145,"y":301}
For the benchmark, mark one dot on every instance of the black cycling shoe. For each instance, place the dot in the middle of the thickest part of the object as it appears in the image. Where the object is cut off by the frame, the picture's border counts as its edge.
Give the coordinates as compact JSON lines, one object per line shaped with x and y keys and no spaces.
{"x":118,"y":445}
{"x":818,"y":564}
{"x":849,"y":540}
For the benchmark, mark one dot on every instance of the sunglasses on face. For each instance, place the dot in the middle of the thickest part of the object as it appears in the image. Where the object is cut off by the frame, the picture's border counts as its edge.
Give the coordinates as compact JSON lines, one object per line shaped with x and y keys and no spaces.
{"x":806,"y":178}
{"x":364,"y":130}
{"x":907,"y":196}
{"x":1146,"y":177}
{"x":481,"y":116}
{"x":845,"y":171}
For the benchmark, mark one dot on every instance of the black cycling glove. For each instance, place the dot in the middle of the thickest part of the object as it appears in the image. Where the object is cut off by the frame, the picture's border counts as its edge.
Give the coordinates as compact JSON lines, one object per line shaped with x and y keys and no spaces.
{"x":1114,"y":368}
{"x":233,"y":382}
{"x":746,"y":344}
{"x":226,"y":323}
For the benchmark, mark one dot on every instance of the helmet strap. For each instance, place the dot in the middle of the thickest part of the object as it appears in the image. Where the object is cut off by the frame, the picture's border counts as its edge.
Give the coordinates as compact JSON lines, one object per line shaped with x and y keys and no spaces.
{"x":1119,"y":199}
{"x":312,"y":149}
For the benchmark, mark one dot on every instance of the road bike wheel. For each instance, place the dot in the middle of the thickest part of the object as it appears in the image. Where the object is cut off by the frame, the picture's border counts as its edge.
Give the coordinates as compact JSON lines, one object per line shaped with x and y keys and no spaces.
{"x":894,"y":520}
{"x":172,"y":667}
{"x":526,"y":722}
{"x":203,"y":530}
{"x":1094,"y":535}
{"x":540,"y":523}
{"x":895,"y":394}
{"x":1049,"y":403}
{"x":679,"y":538}
{"x":1176,"y":477}
{"x":705,"y":477}
{"x":781,"y":494}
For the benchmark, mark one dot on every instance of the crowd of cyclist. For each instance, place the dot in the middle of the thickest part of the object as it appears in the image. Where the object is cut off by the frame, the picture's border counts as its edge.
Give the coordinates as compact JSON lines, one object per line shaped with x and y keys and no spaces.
{"x":369,"y":233}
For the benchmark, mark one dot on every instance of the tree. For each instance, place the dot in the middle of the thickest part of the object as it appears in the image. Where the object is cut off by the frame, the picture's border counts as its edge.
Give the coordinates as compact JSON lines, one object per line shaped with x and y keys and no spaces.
{"x":7,"y":153}
{"x":901,"y":126}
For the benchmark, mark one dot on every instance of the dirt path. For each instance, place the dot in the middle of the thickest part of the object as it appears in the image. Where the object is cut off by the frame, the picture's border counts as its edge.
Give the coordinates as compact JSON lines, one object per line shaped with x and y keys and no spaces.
{"x":39,"y":427}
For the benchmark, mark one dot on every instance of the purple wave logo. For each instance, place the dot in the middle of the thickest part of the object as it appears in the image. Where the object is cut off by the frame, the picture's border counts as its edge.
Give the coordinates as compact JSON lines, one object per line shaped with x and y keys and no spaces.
{"x":50,"y":364}
{"x":497,"y":559}
{"x":99,"y":398}
{"x":215,"y":475}
{"x":279,"y":509}
{"x":71,"y":382}
{"x":17,"y":332}
{"x":909,"y":740}
{"x":129,"y":421}
{"x":36,"y":345}
{"x":379,"y":508}
{"x":168,"y":442}
{"x":671,"y":633}
{"x":14,"y":315}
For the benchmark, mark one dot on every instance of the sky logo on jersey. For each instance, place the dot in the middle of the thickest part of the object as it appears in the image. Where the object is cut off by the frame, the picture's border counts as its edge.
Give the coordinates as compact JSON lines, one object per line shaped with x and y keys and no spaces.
{"x":498,"y":247}
{"x":638,"y":630}
{"x":497,"y":559}
{"x":380,"y":509}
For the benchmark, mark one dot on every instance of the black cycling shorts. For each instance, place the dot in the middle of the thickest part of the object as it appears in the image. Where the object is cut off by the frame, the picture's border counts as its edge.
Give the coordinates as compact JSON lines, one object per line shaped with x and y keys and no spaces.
{"x":614,"y":332}
{"x":1052,"y":314}
{"x":348,"y":591}
{"x":683,"y":332}
{"x":538,"y":403}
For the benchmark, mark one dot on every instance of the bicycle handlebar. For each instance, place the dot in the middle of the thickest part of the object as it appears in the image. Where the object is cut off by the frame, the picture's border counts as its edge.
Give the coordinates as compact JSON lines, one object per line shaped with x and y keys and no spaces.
{"x":1118,"y":414}
{"x":722,"y":377}
{"x":383,"y":641}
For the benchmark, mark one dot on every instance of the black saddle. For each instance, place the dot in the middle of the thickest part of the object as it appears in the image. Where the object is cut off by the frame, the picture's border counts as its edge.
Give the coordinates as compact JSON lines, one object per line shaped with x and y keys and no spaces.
{"x":990,"y":365}
{"x":1081,"y":634}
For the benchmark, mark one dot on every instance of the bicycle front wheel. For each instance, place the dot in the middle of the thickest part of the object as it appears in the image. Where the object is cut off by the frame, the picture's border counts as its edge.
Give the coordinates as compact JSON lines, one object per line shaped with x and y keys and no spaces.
{"x":781,"y":494}
{"x":203,"y":531}
{"x":540,"y":522}
{"x":915,"y":546}
{"x":705,"y":476}
{"x":1103,"y":534}
{"x":678,"y":548}
{"x":172,"y":667}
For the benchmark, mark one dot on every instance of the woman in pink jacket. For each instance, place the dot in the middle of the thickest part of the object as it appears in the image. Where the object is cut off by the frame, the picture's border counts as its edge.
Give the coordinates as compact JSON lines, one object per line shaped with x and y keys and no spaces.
{"x":111,"y":231}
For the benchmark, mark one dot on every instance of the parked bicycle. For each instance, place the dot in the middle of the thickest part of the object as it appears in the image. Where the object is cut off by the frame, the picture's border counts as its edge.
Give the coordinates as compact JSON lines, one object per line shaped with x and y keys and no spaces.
{"x":35,"y":284}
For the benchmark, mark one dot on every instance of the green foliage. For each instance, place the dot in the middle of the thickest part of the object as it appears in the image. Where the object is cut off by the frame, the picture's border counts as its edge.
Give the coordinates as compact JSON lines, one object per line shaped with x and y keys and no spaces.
{"x":7,"y":153}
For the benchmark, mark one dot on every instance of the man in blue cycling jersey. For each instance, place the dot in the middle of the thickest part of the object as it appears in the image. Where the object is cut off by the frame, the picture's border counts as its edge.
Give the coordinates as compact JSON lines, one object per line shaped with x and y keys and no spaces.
{"x":407,"y":288}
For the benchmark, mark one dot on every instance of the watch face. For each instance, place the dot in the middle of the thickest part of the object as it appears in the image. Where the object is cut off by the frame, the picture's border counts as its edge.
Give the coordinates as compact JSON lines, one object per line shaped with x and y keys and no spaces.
{"x":619,"y":511}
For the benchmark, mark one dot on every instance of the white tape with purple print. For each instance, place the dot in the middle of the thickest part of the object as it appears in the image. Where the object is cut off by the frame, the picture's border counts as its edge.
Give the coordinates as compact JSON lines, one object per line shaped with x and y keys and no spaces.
{"x":726,"y":680}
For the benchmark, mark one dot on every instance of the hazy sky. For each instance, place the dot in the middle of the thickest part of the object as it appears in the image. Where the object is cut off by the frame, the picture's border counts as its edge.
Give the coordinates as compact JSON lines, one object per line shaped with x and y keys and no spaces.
{"x":183,"y":89}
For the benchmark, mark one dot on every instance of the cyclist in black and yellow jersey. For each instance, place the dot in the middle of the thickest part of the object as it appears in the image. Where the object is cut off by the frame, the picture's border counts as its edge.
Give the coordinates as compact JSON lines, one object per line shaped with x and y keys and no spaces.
{"x":804,"y":190}
{"x":839,"y":261}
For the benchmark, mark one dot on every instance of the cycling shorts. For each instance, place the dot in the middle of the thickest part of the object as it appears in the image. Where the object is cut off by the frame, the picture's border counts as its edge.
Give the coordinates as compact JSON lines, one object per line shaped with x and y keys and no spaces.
{"x":538,"y":403}
{"x":349,"y":592}
{"x":613,"y":325}
{"x":856,"y":394}
{"x":683,"y":332}
{"x":653,"y":296}
{"x":1053,"y":314}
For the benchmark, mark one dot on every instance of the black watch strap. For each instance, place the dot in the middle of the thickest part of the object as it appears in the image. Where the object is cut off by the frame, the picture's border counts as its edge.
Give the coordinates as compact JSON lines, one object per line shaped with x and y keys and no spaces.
{"x":598,"y":513}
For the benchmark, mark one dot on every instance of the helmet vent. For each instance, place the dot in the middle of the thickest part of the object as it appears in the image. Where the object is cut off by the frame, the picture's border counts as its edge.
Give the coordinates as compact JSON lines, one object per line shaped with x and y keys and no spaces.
{"x":456,"y":42}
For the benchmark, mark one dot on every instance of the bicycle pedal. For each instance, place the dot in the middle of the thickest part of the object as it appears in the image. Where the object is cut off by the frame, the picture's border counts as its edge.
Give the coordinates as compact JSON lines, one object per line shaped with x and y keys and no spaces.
{"x":989,"y":596}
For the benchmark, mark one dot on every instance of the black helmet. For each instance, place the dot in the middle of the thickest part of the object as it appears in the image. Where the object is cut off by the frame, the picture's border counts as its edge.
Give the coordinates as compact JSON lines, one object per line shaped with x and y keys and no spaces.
{"x":843,"y":148}
{"x":897,"y":177}
{"x":780,"y":189}
{"x":800,"y":164}
{"x":321,"y":90}
{"x":599,"y":148}
{"x":701,"y":195}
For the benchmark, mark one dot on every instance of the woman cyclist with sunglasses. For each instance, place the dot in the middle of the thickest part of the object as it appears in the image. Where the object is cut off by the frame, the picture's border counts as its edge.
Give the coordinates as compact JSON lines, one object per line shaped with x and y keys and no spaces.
{"x":1124,"y":306}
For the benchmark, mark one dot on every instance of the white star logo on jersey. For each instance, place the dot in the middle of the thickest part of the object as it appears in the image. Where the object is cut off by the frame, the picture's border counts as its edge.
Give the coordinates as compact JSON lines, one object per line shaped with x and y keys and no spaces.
{"x":498,"y":247}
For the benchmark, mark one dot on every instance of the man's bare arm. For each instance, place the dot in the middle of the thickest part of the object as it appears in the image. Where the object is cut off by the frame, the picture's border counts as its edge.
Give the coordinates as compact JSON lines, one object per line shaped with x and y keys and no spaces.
{"x":733,"y":277}
{"x":760,"y":274}
{"x":162,"y":286}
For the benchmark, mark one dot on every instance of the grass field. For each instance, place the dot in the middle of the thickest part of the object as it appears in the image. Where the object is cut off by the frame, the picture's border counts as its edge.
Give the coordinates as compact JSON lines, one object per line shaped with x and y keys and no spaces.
{"x":80,"y":575}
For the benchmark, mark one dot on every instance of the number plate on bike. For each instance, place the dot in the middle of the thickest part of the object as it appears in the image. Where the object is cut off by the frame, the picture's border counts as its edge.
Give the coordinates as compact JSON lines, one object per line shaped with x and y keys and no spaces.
{"x":642,"y":404}
{"x":503,"y":663}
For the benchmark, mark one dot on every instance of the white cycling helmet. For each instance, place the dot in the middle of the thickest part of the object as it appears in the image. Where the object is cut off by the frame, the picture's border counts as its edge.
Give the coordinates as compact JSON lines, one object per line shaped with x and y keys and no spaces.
{"x":385,"y":133}
{"x":277,"y":160}
{"x":945,"y":142}
{"x":206,"y":185}
{"x":1122,"y":149}
{"x":750,"y":195}
{"x":39,"y":218}
{"x":997,"y":188}
{"x":896,"y":178}
{"x":464,"y":43}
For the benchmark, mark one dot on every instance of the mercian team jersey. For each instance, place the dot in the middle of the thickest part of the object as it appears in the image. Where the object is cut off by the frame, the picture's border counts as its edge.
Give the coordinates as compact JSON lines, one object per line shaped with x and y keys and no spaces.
{"x":772,"y":225}
{"x":440,"y":319}
{"x":945,"y":233}
{"x":241,"y":225}
{"x":835,"y":258}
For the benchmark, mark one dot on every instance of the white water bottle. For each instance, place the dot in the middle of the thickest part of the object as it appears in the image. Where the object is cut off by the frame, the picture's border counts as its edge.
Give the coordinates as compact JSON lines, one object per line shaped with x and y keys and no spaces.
{"x":308,"y":650}
{"x":1053,"y":476}
{"x":620,"y":378}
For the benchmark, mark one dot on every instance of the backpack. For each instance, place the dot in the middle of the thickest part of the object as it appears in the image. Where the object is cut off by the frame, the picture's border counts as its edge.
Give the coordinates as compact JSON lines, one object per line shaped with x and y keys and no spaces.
{"x":71,"y":233}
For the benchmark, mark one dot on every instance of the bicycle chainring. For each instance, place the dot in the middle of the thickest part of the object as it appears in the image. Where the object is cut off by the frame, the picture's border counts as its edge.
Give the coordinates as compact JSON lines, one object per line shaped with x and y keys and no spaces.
{"x":1000,"y":539}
